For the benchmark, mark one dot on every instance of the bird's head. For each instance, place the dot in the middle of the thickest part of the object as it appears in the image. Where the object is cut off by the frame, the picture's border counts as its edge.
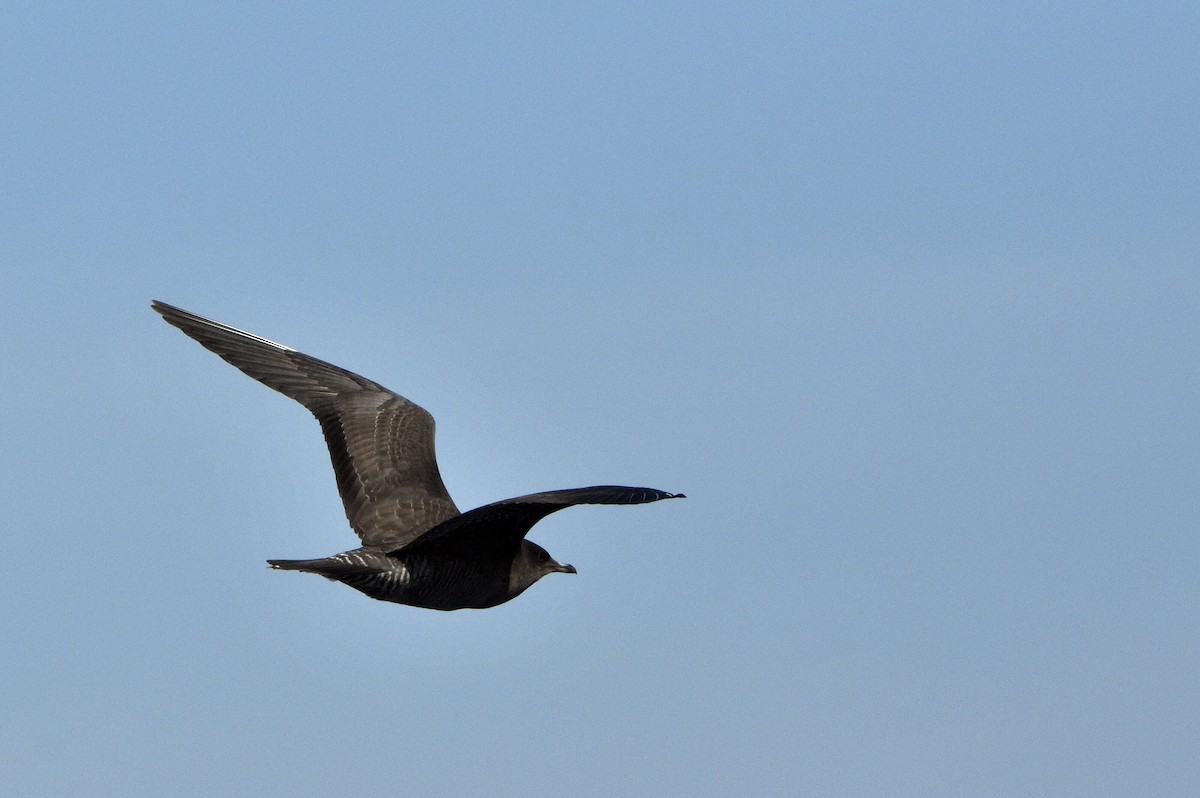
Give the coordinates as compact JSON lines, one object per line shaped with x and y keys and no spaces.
{"x":531,"y":564}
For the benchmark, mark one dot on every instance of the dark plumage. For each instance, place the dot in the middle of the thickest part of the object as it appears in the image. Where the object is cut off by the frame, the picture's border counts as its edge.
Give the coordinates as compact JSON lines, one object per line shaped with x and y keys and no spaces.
{"x":417,"y":548}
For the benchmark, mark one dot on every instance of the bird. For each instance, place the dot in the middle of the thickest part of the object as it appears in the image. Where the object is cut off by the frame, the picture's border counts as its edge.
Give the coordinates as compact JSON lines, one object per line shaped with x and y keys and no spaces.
{"x":417,"y":548}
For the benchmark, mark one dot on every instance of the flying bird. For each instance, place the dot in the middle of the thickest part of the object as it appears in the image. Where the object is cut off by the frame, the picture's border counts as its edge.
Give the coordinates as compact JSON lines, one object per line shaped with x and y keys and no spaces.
{"x":417,"y":548}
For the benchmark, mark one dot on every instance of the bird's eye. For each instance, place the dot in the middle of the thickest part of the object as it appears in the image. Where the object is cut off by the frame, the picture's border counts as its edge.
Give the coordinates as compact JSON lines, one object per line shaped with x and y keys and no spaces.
{"x":543,"y":557}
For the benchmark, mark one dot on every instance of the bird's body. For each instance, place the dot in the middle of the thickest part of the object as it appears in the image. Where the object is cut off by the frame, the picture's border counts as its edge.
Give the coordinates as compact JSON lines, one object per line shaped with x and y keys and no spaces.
{"x":440,"y":583}
{"x":417,"y":548}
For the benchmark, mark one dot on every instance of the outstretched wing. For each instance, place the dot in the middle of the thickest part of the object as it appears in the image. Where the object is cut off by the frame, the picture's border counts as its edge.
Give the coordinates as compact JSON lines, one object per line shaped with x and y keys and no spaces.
{"x":381,"y":444}
{"x":495,"y":530}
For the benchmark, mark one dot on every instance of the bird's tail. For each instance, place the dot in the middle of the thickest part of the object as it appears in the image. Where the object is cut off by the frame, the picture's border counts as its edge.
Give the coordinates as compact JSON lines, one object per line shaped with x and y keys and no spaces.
{"x":370,"y":572}
{"x":333,"y":568}
{"x":359,"y":562}
{"x":311,"y":566}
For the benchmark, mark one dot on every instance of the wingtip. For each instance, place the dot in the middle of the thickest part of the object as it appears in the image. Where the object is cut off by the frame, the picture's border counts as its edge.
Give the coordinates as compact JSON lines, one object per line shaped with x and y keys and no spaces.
{"x":163,"y":308}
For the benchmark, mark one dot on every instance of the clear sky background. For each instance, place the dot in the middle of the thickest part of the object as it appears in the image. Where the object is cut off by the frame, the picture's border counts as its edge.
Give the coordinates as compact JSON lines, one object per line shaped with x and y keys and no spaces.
{"x":906,"y":298}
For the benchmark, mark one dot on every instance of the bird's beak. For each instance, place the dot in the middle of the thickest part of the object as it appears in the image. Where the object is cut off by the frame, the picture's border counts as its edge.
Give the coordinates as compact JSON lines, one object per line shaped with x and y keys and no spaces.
{"x":565,"y":569}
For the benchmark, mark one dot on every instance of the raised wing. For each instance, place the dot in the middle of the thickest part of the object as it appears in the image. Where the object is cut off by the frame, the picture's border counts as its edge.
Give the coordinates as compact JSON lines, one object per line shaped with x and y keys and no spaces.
{"x":495,"y":530}
{"x":380,"y":443}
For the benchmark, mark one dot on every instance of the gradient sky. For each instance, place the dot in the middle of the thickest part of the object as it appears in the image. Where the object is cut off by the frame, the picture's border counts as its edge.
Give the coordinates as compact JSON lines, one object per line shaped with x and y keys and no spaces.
{"x":906,"y":298}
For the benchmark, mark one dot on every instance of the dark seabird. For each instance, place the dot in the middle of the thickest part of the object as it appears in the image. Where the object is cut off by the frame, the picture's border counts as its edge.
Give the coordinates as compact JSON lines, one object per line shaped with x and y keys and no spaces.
{"x":417,"y":548}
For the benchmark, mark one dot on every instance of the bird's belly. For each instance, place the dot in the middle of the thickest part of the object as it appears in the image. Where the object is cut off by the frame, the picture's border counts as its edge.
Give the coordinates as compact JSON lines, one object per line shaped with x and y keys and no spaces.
{"x":449,"y":584}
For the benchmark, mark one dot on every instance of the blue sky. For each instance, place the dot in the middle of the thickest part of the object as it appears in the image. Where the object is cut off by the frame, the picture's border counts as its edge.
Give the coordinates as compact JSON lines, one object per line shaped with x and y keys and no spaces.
{"x":905,"y":298}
